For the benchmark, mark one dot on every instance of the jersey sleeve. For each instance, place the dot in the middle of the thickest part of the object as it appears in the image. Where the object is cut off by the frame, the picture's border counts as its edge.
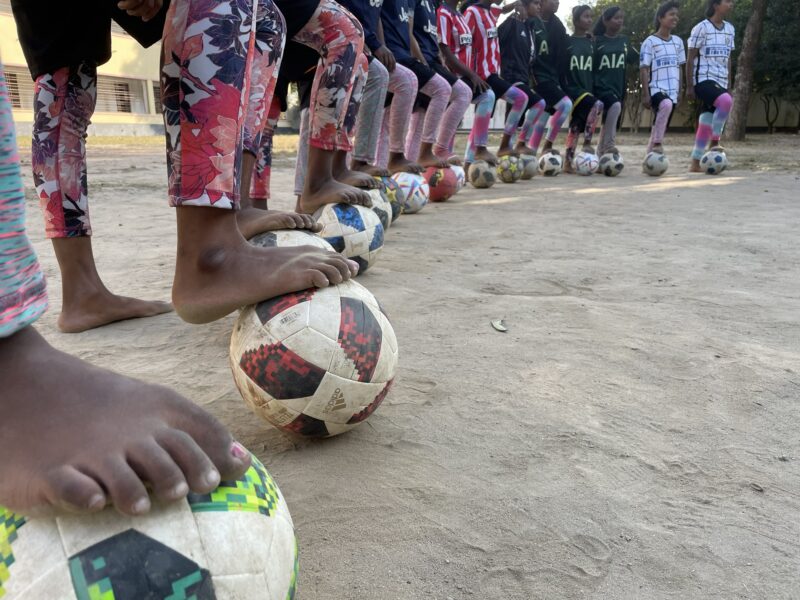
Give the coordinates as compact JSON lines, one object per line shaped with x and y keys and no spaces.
{"x":646,"y":53}
{"x":444,"y":28}
{"x":496,"y":11}
{"x":698,"y":36}
{"x":680,"y":50}
{"x":471,"y":18}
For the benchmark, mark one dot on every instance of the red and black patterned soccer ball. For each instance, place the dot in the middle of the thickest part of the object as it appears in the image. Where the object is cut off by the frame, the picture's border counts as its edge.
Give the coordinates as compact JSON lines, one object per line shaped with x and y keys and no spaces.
{"x":443,"y":183}
{"x":315,"y":363}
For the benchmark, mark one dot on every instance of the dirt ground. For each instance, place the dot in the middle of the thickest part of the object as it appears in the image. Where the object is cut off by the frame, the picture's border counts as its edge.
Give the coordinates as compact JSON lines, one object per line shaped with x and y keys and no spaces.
{"x":633,"y":435}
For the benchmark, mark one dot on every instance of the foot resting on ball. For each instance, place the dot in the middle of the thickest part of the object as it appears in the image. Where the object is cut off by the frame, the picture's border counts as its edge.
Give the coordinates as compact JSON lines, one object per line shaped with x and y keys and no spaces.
{"x":252,"y":221}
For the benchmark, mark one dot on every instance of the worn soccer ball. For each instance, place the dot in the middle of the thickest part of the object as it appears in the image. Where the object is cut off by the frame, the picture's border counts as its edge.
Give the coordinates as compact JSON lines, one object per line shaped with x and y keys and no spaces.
{"x":586,"y":163}
{"x":550,"y":164}
{"x":655,"y":164}
{"x":394,"y":194}
{"x":529,"y":166}
{"x":284,"y":238}
{"x":416,"y":191}
{"x":442,"y":183}
{"x":481,"y":174}
{"x":611,"y":164}
{"x":354,"y":231}
{"x":714,"y":162}
{"x":509,"y":169}
{"x":381,"y":207}
{"x":461,"y":176}
{"x":236,"y":542}
{"x":315,"y":363}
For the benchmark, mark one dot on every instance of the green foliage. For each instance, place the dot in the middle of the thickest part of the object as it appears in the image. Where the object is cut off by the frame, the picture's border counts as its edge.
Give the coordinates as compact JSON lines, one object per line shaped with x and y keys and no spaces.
{"x":777,"y":68}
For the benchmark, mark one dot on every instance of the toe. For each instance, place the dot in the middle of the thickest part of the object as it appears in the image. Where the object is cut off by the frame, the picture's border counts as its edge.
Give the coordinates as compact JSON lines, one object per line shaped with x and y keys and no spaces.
{"x":332,"y":273}
{"x":68,"y":489}
{"x":319,"y":279}
{"x":155,"y":465}
{"x":196,"y":466}
{"x":125,"y":488}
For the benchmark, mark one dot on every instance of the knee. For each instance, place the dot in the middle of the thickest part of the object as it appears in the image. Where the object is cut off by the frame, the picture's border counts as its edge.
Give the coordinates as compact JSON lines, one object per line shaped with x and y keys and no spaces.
{"x":724,"y":102}
{"x":442,"y":89}
{"x":540,"y":105}
{"x":665,"y":105}
{"x":488,"y":98}
{"x":598,"y":106}
{"x":462,"y":91}
{"x":378,"y":73}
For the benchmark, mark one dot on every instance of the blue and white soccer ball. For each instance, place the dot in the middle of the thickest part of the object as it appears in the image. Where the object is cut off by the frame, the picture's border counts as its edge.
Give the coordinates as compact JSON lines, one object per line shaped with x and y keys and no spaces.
{"x":586,"y":163}
{"x":416,"y":191}
{"x":655,"y":164}
{"x":354,"y":231}
{"x":714,"y":162}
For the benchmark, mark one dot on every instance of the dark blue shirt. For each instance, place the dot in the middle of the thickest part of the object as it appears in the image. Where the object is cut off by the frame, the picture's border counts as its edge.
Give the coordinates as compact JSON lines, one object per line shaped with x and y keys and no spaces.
{"x":368,"y":15}
{"x":394,"y":16}
{"x":425,"y":29}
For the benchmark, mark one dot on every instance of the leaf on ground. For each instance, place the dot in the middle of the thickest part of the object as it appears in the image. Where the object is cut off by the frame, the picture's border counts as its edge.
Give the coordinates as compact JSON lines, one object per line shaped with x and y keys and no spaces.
{"x":500,"y":325}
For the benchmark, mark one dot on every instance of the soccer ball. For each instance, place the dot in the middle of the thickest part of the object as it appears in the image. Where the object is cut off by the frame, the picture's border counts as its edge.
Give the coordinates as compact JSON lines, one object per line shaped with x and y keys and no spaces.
{"x":236,"y":542}
{"x":382,"y":208}
{"x":461,"y":176}
{"x":655,"y":164}
{"x":315,"y":363}
{"x":508,"y":169}
{"x":394,"y":194}
{"x":714,"y":162}
{"x":528,"y":166}
{"x":550,"y":164}
{"x":354,"y":231}
{"x":442,"y":183}
{"x":481,"y":174}
{"x":586,"y":163}
{"x":284,"y":238}
{"x":415,"y":190}
{"x":611,"y":164}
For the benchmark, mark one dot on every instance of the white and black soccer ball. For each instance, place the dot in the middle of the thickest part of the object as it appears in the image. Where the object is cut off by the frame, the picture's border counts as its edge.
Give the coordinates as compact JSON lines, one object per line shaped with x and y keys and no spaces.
{"x":236,"y":542}
{"x":461,"y":176}
{"x":655,"y":164}
{"x":550,"y":164}
{"x":354,"y":231}
{"x":381,"y":207}
{"x":714,"y":162}
{"x":611,"y":164}
{"x":509,"y":169}
{"x":285,"y":238}
{"x":416,"y":191}
{"x":528,"y":165}
{"x":586,"y":163}
{"x":315,"y":363}
{"x":481,"y":174}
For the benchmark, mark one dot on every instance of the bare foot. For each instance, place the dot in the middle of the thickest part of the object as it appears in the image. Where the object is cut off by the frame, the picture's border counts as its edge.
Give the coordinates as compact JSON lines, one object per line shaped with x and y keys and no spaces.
{"x":567,"y":167}
{"x":588,"y":149}
{"x":398,"y":163}
{"x":483,"y":153}
{"x":75,"y":437}
{"x":454,"y":161}
{"x":100,"y":307}
{"x":429,"y":159}
{"x":218,"y":271}
{"x":373,"y":170}
{"x":252,"y":221}
{"x":356,"y":179}
{"x":319,"y":193}
{"x":523,"y":148}
{"x":507,"y":151}
{"x":658,"y":149}
{"x":694,"y":166}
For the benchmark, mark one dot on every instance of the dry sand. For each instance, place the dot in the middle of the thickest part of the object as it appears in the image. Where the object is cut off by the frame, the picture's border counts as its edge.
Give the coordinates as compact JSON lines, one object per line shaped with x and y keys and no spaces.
{"x":633,"y":435}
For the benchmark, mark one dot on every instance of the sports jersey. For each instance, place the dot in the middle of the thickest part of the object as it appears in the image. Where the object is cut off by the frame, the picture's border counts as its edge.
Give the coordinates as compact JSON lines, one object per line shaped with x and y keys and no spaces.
{"x":368,"y":12}
{"x":611,"y":55}
{"x":551,"y":37}
{"x":516,"y":50}
{"x":394,"y":17}
{"x":425,"y":29}
{"x":580,"y":53}
{"x":455,"y":34}
{"x":714,"y":47}
{"x":664,"y":57}
{"x":482,"y":23}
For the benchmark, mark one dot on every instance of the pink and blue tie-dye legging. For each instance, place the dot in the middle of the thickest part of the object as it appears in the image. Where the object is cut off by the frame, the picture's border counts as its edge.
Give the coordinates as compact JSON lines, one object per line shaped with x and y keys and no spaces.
{"x":23,"y":293}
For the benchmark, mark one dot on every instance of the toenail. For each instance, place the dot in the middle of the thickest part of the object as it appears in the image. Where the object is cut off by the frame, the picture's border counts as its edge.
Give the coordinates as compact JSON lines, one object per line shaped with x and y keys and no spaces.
{"x":96,"y":502}
{"x":212,"y":478}
{"x":141,"y":506}
{"x":179,"y":490}
{"x":239,"y":452}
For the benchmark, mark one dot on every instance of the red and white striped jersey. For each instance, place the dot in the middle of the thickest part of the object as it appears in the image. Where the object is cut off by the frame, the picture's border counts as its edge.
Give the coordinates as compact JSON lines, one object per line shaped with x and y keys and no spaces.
{"x":454,"y":33}
{"x":482,"y":23}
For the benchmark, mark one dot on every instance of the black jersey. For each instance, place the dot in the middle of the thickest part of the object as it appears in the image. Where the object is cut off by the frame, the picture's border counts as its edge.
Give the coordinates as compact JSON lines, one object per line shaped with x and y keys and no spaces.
{"x":516,"y":50}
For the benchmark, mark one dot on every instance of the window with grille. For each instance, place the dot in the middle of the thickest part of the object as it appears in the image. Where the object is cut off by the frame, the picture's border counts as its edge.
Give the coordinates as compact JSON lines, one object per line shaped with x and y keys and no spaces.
{"x":157,"y":97}
{"x":115,"y":94}
{"x":20,"y":87}
{"x":5,"y":7}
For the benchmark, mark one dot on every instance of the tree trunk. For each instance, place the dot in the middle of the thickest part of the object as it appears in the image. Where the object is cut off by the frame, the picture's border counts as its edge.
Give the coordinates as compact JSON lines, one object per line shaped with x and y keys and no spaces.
{"x":743,"y":85}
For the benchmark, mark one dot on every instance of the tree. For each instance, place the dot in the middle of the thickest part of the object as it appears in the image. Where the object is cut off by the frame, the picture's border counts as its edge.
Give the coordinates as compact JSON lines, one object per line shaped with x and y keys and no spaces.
{"x":745,"y":67}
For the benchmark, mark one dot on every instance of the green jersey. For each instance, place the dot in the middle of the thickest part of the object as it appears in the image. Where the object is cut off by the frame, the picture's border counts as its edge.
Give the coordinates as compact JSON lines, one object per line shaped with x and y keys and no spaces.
{"x":580,"y":53}
{"x":549,"y":39}
{"x":611,"y":55}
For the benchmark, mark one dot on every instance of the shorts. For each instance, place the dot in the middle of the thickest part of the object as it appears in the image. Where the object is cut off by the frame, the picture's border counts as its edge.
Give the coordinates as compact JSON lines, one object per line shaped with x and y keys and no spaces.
{"x":580,"y":110}
{"x":298,"y":66}
{"x":608,"y":101}
{"x":552,"y":94}
{"x":499,"y":85}
{"x":655,"y":100}
{"x":707,"y":93}
{"x":422,"y":100}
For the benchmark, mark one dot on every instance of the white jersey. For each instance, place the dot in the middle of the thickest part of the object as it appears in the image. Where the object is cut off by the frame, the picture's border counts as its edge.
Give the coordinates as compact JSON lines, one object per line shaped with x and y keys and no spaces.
{"x":664,"y":57}
{"x":714,"y":47}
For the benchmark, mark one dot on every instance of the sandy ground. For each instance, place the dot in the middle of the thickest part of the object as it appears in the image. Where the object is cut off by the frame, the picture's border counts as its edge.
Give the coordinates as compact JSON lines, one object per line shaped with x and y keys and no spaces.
{"x":633,"y":435}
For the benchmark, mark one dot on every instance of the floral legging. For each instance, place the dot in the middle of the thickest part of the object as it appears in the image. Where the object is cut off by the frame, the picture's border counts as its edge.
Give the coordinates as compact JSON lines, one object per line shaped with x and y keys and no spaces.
{"x":23,"y":293}
{"x":63,"y":105}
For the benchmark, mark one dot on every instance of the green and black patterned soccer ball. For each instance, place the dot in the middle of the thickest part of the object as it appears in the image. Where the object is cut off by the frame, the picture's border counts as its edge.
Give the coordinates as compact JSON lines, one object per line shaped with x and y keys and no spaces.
{"x":236,"y":542}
